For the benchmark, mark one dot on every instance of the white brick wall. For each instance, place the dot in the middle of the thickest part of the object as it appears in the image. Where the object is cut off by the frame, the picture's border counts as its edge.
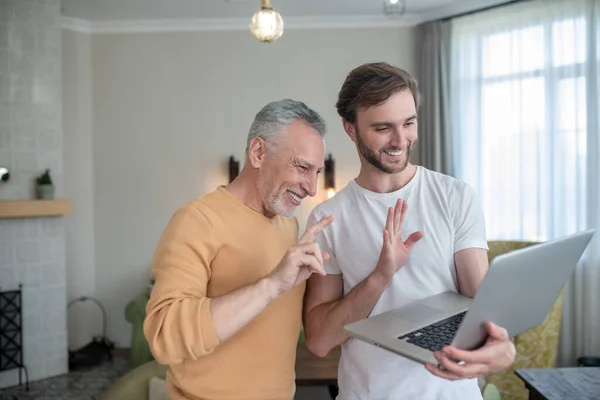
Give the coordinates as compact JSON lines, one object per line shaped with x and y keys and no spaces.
{"x":32,"y":251}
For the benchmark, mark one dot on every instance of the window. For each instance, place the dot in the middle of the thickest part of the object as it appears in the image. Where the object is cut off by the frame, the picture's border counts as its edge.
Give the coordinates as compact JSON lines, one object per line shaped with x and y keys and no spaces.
{"x":521,"y":122}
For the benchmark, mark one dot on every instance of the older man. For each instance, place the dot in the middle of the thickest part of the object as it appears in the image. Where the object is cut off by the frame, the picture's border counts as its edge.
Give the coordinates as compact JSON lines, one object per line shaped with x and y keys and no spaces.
{"x":225,"y":312}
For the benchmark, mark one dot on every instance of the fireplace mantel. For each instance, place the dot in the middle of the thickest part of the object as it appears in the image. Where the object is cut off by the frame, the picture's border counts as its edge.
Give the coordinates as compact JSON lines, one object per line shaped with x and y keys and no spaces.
{"x":35,"y":208}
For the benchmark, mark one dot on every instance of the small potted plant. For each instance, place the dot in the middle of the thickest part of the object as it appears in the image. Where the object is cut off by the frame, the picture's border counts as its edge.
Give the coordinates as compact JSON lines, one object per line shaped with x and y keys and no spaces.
{"x":45,"y":187}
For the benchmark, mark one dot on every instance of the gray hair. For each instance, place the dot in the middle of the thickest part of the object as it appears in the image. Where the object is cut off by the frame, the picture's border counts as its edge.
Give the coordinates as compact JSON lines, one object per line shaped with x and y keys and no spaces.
{"x":269,"y":121}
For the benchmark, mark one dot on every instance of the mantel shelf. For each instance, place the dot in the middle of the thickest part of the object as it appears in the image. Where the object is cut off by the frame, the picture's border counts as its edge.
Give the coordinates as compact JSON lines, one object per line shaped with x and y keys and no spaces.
{"x":35,"y":208}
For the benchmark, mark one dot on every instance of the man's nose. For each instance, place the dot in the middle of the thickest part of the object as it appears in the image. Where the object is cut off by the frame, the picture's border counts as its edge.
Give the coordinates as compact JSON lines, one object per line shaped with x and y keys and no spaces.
{"x":398,"y":139}
{"x":310,"y":185}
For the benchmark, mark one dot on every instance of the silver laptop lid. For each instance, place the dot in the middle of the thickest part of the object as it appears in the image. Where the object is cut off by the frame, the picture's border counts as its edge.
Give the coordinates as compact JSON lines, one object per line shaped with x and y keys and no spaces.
{"x":542,"y":270}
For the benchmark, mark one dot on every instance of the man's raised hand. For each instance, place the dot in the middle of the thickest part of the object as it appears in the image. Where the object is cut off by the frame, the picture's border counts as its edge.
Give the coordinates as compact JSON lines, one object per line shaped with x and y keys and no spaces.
{"x":301,"y":260}
{"x":394,"y":252}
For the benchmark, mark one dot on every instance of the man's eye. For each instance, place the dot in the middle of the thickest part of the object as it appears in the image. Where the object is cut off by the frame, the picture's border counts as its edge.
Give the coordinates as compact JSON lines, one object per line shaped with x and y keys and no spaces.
{"x":381,"y":129}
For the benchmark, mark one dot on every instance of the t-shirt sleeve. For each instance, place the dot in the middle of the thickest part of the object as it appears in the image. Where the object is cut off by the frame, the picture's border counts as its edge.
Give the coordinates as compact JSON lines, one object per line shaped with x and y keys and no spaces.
{"x":469,"y":220}
{"x":325,"y":243}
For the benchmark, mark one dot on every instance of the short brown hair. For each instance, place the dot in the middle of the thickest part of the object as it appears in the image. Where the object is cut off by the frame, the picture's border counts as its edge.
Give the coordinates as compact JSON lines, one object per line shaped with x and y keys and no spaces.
{"x":371,"y":84}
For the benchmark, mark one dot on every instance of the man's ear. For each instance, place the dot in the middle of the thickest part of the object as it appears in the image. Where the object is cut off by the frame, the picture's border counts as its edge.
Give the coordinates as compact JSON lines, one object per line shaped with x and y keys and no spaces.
{"x":257,"y":152}
{"x":350,"y":130}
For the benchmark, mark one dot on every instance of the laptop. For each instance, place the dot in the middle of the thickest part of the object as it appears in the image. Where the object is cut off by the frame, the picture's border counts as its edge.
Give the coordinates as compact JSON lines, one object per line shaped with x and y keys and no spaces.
{"x":517,"y":294}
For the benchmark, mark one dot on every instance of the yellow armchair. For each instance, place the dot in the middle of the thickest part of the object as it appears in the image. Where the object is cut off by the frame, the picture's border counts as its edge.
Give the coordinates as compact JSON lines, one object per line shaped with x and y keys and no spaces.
{"x":135,"y":384}
{"x":536,"y":348}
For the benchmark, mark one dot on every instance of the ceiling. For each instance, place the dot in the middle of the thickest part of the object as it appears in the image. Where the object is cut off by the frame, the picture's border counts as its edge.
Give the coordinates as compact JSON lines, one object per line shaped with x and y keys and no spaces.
{"x":121,"y":10}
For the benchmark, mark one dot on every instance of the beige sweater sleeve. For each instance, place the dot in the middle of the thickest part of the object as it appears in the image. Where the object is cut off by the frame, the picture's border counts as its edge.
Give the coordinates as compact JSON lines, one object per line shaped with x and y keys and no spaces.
{"x":178,"y":324}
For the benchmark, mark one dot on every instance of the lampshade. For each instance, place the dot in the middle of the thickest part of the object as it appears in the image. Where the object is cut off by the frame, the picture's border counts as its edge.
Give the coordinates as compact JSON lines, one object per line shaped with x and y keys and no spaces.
{"x":266,"y":24}
{"x":4,"y":174}
{"x":234,"y":168}
{"x":330,"y":176}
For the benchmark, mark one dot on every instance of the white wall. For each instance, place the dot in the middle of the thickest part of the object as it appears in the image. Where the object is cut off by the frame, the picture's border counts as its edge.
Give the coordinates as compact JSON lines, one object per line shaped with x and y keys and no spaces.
{"x":84,"y":318}
{"x":169,"y":109}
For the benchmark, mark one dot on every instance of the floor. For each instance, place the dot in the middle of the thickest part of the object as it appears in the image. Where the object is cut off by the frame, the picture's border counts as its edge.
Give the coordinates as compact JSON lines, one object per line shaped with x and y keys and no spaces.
{"x":89,"y":384}
{"x":77,"y":385}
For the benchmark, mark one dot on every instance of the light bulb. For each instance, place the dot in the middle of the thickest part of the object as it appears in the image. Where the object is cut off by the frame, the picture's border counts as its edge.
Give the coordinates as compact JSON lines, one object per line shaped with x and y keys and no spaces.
{"x":330,"y":193}
{"x":394,"y":8}
{"x":266,"y":24}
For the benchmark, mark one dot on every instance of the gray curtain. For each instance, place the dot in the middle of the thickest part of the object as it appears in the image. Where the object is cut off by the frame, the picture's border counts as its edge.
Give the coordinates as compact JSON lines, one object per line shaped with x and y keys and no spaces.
{"x":435,"y":125}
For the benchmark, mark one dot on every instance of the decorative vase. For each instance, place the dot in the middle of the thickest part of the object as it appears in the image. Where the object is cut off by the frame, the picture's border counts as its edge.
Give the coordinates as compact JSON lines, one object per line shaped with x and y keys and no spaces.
{"x":45,"y":191}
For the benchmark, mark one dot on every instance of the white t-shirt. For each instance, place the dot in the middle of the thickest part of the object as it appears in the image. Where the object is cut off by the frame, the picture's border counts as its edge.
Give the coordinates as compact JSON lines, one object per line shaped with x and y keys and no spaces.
{"x":447,"y":212}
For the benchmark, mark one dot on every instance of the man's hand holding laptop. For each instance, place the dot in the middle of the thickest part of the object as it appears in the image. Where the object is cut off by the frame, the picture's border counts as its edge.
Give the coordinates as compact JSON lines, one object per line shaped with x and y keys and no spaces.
{"x":496,"y":355}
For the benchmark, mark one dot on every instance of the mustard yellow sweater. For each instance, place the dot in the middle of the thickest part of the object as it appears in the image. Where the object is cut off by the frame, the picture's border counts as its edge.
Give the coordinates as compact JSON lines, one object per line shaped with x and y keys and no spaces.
{"x":211,"y":247}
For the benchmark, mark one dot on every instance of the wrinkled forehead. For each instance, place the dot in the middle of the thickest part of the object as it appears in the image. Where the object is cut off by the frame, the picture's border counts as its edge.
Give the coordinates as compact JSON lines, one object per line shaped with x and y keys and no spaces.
{"x":301,"y":141}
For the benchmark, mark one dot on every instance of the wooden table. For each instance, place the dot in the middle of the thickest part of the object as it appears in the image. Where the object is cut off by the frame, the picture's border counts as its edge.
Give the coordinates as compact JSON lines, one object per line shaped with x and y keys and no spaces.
{"x":312,"y":370}
{"x":582,"y":383}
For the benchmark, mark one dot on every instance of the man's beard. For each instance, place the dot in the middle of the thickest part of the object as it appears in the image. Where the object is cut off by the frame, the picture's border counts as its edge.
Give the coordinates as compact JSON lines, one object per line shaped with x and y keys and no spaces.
{"x":374,"y":158}
{"x":273,"y":203}
{"x":276,"y":204}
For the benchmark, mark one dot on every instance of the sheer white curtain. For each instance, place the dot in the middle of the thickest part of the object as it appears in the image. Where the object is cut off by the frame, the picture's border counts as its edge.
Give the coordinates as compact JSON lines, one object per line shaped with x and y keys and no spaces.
{"x":526,"y":116}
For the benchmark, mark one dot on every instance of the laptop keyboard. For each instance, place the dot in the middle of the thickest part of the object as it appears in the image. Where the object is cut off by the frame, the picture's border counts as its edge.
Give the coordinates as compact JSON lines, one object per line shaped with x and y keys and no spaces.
{"x":435,"y":336}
